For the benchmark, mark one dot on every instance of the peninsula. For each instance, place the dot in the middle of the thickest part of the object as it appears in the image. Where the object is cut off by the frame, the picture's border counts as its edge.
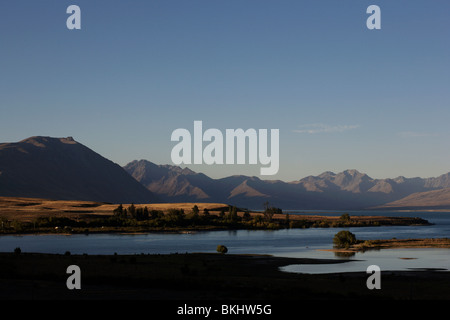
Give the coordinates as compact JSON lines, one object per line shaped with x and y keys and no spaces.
{"x":33,"y":215}
{"x":364,"y":245}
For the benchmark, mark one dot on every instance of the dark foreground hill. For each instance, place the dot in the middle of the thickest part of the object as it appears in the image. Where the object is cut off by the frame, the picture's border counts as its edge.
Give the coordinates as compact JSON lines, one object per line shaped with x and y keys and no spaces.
{"x":63,"y":169}
{"x":198,"y":279}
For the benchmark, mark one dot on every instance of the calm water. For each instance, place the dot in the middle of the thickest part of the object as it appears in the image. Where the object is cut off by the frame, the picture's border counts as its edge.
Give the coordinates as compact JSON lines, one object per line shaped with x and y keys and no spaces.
{"x":288,"y":243}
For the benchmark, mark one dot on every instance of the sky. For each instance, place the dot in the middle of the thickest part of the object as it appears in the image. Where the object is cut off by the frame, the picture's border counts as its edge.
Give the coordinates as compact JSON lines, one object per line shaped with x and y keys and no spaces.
{"x":342,"y":96}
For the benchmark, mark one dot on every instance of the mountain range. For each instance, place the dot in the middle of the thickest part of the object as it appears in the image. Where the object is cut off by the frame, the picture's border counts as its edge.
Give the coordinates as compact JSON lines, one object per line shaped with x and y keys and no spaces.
{"x":346,"y":190}
{"x":63,"y":169}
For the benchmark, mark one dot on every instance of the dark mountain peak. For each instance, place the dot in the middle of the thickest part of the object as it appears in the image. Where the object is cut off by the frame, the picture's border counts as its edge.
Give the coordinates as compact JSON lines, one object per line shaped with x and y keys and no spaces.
{"x":351,"y":171}
{"x":354,"y":173}
{"x":138,"y":162}
{"x":63,"y":169}
{"x":443,"y":176}
{"x":41,"y":141}
{"x":354,"y":181}
{"x":63,"y":147}
{"x":443,"y":181}
{"x":177,"y":169}
{"x":172,"y":183}
{"x":415,"y":180}
{"x":144,"y":164}
{"x":147,"y":167}
{"x":399,"y":179}
{"x":327,"y":174}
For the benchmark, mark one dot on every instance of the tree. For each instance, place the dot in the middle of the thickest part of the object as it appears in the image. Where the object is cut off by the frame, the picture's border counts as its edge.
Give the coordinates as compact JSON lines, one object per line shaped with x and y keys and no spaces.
{"x":145,"y":214}
{"x":175,"y":215}
{"x":287,"y":220}
{"x":246,"y":216}
{"x":270,"y":211}
{"x":139,"y":214}
{"x":4,"y":222}
{"x":132,"y":210}
{"x":268,"y":215}
{"x":257,"y":219}
{"x":156,"y":214}
{"x":232,"y":214}
{"x":17,"y":225}
{"x":345,"y":217}
{"x":118,"y":212}
{"x":344,"y":239}
{"x":195,"y":212}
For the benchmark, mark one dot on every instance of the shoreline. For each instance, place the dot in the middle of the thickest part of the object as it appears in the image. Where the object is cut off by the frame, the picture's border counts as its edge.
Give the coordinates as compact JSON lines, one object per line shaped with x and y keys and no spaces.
{"x":366,"y":245}
{"x":311,"y":223}
{"x":187,"y":223}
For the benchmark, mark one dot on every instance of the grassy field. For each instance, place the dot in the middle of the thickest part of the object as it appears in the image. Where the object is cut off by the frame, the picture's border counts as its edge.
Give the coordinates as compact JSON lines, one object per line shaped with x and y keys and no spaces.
{"x":28,"y":209}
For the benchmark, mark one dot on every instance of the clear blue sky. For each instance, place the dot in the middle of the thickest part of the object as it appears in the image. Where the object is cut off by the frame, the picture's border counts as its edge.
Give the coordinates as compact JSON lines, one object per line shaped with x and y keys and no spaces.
{"x":343,"y":96}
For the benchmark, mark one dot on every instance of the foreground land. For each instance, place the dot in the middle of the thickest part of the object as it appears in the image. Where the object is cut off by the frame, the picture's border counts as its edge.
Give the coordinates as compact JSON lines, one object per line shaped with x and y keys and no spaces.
{"x":25,"y":215}
{"x":200,"y":276}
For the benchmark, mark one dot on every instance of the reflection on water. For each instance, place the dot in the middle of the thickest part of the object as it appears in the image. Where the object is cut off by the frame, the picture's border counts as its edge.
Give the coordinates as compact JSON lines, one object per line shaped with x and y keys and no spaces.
{"x":344,"y":254}
{"x":386,"y":259}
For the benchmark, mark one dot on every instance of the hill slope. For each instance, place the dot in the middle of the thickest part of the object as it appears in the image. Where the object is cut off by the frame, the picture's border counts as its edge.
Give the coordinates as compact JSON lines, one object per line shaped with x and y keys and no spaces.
{"x":436,"y":199}
{"x":63,"y":169}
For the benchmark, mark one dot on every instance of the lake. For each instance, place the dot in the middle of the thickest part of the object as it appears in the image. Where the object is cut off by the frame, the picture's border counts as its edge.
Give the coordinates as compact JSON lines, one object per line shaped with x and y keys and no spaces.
{"x":304,"y":243}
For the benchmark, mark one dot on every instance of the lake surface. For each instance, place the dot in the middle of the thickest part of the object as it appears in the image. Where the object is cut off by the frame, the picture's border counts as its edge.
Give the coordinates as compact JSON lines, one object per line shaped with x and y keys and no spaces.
{"x":302,"y":243}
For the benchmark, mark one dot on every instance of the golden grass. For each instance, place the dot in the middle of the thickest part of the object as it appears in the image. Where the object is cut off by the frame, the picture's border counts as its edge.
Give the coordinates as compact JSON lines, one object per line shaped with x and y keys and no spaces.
{"x":28,"y":209}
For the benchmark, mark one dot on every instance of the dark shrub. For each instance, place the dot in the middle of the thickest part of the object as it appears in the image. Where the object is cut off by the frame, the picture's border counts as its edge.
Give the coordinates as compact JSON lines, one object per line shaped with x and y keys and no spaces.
{"x":222,"y":249}
{"x":344,"y":239}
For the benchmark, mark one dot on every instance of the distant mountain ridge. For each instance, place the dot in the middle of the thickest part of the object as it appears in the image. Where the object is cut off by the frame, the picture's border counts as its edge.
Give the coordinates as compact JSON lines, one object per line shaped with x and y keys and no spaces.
{"x":346,"y":190}
{"x":63,"y":169}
